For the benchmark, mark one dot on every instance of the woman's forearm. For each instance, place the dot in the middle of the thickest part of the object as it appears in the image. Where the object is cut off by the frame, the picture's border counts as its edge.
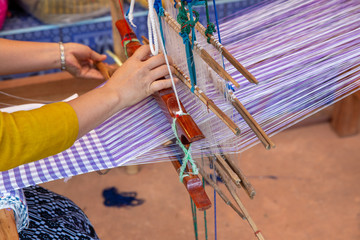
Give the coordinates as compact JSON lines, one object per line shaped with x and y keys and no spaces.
{"x":138,"y":78}
{"x":20,"y":56}
{"x":94,"y":107}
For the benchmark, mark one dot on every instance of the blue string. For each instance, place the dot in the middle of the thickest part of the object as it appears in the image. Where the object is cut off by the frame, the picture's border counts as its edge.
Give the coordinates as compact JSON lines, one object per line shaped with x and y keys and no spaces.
{"x":190,"y":4}
{"x":160,"y":12}
{"x":218,"y":32}
{"x":193,"y":37}
{"x":215,"y":219}
{"x":157,"y":5}
{"x":190,"y":60}
{"x":217,"y":21}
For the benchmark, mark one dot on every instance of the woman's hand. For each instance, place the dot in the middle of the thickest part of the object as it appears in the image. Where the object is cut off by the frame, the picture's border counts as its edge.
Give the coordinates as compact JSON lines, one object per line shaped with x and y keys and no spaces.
{"x":135,"y":80}
{"x":80,"y":61}
{"x":140,"y":76}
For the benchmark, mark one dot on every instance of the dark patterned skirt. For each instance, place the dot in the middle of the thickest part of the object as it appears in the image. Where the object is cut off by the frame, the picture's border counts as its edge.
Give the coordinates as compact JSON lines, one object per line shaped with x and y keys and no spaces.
{"x":52,"y":216}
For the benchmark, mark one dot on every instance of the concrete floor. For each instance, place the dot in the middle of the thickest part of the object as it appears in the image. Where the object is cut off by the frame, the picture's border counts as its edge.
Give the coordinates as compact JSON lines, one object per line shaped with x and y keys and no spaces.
{"x":307,"y":188}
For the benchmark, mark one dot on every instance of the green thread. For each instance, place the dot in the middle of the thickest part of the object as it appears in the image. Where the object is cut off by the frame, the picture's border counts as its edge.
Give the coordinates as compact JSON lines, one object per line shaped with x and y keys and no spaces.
{"x":126,"y":42}
{"x":187,"y":27}
{"x":210,"y":29}
{"x":205,"y":218}
{"x":193,"y":211}
{"x":187,"y":155}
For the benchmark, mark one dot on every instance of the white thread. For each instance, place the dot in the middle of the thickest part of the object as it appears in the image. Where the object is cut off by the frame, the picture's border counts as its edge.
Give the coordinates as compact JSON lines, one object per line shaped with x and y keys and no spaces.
{"x":151,"y":23}
{"x":198,"y":46}
{"x":219,"y":46}
{"x":131,"y":13}
{"x":25,"y":99}
{"x":157,"y":28}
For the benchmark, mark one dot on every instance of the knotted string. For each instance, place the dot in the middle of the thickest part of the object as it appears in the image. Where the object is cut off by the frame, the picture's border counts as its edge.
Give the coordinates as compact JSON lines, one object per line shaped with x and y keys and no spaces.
{"x":187,"y":153}
{"x":153,"y":40}
{"x":210,"y":29}
{"x":130,"y":13}
{"x":187,"y":27}
{"x":193,"y":212}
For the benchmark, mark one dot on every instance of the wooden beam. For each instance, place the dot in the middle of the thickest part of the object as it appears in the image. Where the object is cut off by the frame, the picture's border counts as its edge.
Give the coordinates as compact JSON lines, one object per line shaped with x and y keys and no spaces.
{"x":8,"y":228}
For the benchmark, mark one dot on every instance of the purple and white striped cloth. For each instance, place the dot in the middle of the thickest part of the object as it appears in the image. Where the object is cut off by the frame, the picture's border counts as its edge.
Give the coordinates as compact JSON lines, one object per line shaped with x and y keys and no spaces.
{"x":305,"y":54}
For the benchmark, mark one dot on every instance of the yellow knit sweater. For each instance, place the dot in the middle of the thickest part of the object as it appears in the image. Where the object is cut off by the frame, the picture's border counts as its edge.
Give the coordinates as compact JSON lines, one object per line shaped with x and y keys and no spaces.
{"x":27,"y":136}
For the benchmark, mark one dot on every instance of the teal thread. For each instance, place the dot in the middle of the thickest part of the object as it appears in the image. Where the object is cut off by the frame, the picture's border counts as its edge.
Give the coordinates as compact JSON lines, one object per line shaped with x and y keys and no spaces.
{"x":160,"y":12}
{"x":187,"y":155}
{"x":210,"y":29}
{"x":193,"y":211}
{"x":187,"y":27}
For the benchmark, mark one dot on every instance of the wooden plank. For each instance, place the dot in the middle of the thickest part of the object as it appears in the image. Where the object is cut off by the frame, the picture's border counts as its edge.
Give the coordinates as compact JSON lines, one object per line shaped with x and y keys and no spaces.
{"x":346,"y":116}
{"x":8,"y":228}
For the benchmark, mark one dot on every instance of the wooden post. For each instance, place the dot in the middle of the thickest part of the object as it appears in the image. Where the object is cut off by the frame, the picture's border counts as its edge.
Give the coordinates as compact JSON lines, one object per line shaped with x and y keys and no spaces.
{"x":346,"y":116}
{"x":115,"y":15}
{"x":8,"y":228}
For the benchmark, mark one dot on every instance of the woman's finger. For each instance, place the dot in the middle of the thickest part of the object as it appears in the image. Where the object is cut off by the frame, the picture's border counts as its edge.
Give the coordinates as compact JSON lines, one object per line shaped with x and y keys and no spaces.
{"x":155,"y":61}
{"x":159,"y":72}
{"x":143,"y":53}
{"x":159,"y":85}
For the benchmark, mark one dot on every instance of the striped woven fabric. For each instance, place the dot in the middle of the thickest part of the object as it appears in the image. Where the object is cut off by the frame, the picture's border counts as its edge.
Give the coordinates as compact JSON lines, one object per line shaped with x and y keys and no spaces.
{"x":304,"y":54}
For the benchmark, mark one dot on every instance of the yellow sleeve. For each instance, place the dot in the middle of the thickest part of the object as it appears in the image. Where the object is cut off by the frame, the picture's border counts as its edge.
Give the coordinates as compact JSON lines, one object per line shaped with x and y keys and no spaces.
{"x":27,"y":136}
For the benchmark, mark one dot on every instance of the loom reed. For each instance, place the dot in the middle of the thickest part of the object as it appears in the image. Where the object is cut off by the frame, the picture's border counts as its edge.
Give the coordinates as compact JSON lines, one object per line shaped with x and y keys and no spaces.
{"x":223,"y":50}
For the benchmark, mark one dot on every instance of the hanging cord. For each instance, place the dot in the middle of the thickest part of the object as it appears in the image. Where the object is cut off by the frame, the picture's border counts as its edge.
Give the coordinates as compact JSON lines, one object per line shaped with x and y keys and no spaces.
{"x":203,"y":182}
{"x":186,"y":27}
{"x":187,"y":154}
{"x":193,"y":211}
{"x":217,"y":21}
{"x":215,"y":215}
{"x":160,"y":12}
{"x":210,"y":28}
{"x":218,"y":29}
{"x":151,"y":23}
{"x":130,"y":13}
{"x":214,"y":178}
{"x":180,"y":112}
{"x":205,"y":219}
{"x":228,"y":87}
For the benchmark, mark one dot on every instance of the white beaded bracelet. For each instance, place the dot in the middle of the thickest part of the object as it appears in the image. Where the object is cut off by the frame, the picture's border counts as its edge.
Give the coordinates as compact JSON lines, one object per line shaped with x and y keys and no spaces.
{"x":62,"y":56}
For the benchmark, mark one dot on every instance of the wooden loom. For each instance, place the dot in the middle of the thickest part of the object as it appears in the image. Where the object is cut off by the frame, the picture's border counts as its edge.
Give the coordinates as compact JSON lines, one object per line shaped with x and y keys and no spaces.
{"x":351,"y":101}
{"x":223,"y":165}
